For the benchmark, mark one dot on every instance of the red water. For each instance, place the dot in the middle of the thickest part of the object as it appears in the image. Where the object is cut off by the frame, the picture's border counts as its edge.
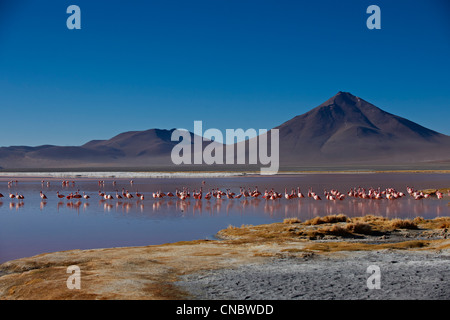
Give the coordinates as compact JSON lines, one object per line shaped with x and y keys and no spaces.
{"x":33,"y":226}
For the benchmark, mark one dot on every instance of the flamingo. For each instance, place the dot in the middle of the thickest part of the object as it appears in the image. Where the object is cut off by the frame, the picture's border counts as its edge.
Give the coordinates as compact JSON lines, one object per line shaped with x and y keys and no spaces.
{"x":198,"y":195}
{"x":195,"y":195}
{"x":286,"y":195}
{"x":85,"y":196}
{"x":418,"y":197}
{"x":43,"y":196}
{"x":1,"y":196}
{"x":59,"y":195}
{"x":128,"y":195}
{"x":351,"y":193}
{"x":256,"y":192}
{"x":12,"y":196}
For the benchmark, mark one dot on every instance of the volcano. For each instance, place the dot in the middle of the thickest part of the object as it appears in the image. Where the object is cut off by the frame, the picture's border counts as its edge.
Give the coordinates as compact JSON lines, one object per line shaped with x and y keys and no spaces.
{"x":346,"y":129}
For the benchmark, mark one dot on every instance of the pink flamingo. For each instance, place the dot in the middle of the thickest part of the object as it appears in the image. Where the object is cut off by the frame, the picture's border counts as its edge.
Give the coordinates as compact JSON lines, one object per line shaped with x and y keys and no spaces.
{"x":43,"y":196}
{"x":299,"y":194}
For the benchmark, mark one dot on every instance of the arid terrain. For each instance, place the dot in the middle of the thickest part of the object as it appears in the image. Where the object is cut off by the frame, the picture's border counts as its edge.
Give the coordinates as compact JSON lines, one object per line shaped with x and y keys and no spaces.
{"x":227,"y":268}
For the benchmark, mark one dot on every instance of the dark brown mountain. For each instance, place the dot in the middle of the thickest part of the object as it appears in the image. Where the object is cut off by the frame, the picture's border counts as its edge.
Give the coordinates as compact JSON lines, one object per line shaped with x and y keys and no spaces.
{"x":344,"y":130}
{"x":347,"y":129}
{"x":128,"y":149}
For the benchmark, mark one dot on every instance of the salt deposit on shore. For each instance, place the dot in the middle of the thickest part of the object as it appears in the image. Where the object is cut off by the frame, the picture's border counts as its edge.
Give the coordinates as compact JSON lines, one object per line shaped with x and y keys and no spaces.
{"x":120,"y":175}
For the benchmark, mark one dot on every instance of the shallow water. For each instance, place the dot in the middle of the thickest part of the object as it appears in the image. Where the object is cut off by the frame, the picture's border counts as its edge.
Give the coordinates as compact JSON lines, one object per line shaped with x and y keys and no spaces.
{"x":33,"y":226}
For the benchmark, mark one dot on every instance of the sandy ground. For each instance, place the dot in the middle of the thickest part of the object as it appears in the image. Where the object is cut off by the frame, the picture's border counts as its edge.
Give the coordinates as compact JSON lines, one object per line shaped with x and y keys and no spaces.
{"x":403,"y":275}
{"x":253,"y":262}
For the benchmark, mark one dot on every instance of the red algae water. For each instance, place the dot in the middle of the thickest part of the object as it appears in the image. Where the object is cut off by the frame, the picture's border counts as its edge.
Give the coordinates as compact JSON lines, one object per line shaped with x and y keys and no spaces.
{"x":34,"y":225}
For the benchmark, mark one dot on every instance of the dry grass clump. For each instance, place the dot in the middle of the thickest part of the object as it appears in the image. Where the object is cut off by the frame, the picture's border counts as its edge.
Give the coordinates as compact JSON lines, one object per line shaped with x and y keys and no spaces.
{"x":418,"y":220}
{"x":336,"y":230}
{"x":436,"y":223}
{"x":402,"y":224}
{"x":370,"y":219}
{"x":444,"y":225}
{"x":328,"y":226}
{"x":357,"y":246}
{"x":359,"y":227}
{"x":346,"y":230}
{"x":327,"y":219}
{"x":442,"y":222}
{"x":291,"y":220}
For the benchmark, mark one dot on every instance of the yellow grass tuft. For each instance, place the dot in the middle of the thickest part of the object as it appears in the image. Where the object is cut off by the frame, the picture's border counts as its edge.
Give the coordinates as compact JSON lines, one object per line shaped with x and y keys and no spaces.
{"x":359,"y":227}
{"x":370,"y":219}
{"x":337,"y":230}
{"x":444,"y":225}
{"x":327,"y":219}
{"x":358,"y":246}
{"x":418,"y":220}
{"x":403,"y":224}
{"x":291,"y":220}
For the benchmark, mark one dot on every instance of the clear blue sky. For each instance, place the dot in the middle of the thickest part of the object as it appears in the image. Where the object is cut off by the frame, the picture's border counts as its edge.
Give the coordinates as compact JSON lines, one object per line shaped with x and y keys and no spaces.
{"x":137,"y":65}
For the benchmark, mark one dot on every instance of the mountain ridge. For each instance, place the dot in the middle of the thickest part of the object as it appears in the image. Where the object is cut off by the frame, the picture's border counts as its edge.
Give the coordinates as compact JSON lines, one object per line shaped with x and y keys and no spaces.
{"x":344,"y":129}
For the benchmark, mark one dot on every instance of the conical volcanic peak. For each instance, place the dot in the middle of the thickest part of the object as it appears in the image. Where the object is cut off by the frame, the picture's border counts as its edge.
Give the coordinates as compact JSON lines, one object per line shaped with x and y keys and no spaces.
{"x":346,"y":128}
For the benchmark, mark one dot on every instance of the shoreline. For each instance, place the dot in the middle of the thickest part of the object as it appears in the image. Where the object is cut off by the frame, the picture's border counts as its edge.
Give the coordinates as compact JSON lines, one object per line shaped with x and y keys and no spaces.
{"x":193,"y":174}
{"x":271,"y":261}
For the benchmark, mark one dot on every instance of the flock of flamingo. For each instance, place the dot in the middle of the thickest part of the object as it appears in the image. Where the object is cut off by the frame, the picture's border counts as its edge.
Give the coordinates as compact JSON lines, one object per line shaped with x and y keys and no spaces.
{"x":184,"y":193}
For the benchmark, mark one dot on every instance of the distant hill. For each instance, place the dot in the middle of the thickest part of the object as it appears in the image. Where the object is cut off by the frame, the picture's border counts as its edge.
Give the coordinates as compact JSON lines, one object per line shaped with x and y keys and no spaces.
{"x":344,"y":130}
{"x":128,"y":149}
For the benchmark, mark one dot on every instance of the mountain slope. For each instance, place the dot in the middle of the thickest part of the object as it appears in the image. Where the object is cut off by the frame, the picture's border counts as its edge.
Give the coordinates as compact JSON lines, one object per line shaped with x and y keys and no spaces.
{"x":128,"y":149}
{"x":348,"y":129}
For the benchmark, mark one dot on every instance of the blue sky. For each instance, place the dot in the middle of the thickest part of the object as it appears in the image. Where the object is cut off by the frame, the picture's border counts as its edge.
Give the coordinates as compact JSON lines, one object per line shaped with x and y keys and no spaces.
{"x":137,"y":65}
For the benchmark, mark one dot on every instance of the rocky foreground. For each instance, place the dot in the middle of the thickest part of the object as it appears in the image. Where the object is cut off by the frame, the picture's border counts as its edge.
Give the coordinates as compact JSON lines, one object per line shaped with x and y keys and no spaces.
{"x":323,"y":258}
